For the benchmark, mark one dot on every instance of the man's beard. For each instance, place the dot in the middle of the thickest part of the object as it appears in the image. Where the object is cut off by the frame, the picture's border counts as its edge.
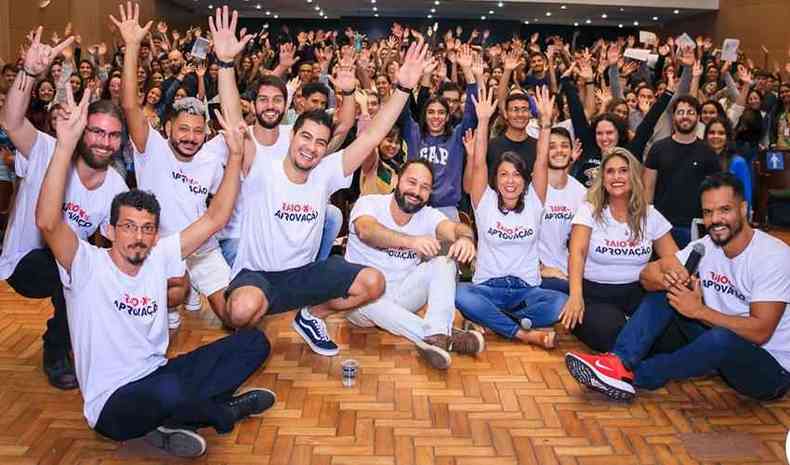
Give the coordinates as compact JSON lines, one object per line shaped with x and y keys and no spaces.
{"x":138,"y":258}
{"x":734,"y":230}
{"x":174,"y":144}
{"x":406,"y":207}
{"x":553,"y":166}
{"x":91,"y":160}
{"x":679,"y":128}
{"x":267,"y":125}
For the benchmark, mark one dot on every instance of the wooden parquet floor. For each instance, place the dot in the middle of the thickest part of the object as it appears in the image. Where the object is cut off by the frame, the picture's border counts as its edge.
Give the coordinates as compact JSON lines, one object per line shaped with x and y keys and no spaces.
{"x":513,"y":404}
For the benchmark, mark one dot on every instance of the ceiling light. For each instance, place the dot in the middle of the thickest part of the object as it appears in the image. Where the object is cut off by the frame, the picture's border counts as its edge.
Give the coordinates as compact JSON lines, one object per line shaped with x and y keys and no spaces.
{"x":268,"y":13}
{"x":622,"y":9}
{"x":258,"y":6}
{"x":526,"y":21}
{"x":587,"y":22}
{"x":655,"y":18}
{"x":548,"y":13}
{"x":500,"y":4}
{"x":676,"y":11}
{"x":563,"y":7}
{"x":436,"y":2}
{"x":372,"y":1}
{"x":483,"y":18}
{"x":535,"y":20}
{"x":375,"y":8}
{"x":604,"y":16}
{"x":490,"y":12}
{"x":620,"y":26}
{"x":636,"y":23}
{"x":210,"y":7}
{"x":309,"y":1}
{"x":430,"y":16}
{"x":376,"y":15}
{"x":317,"y":8}
{"x":433,"y":10}
{"x":276,"y":16}
{"x":576,"y":24}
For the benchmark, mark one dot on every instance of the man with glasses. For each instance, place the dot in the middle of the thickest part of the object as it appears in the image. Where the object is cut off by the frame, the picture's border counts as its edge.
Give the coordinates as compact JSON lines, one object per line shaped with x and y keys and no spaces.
{"x":27,"y":264}
{"x":515,"y":138}
{"x":675,"y":168}
{"x":183,"y":171}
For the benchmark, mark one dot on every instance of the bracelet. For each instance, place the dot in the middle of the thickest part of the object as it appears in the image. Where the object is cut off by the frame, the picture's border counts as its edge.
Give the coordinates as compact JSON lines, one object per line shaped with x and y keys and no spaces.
{"x":225,"y":64}
{"x":346,"y":93}
{"x":589,"y":83}
{"x":402,"y":88}
{"x":29,"y":73}
{"x":546,"y":126}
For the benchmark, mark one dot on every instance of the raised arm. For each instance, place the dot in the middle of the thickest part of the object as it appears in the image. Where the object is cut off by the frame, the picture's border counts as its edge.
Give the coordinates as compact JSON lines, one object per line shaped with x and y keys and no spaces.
{"x":221,"y":206}
{"x":37,"y":60}
{"x":485,"y":106}
{"x":540,"y":171}
{"x":133,"y":35}
{"x":227,"y":46}
{"x":345,"y":81}
{"x":415,"y":62}
{"x":49,"y":212}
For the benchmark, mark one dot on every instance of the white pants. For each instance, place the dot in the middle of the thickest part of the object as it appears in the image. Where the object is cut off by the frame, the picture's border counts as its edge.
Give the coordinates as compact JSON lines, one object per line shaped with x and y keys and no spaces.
{"x":208,"y":271}
{"x":432,"y":282}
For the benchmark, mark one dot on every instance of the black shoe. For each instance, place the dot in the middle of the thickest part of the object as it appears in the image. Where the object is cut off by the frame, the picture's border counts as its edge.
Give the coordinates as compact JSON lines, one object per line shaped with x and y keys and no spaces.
{"x":251,"y":403}
{"x":178,"y":442}
{"x":60,"y":371}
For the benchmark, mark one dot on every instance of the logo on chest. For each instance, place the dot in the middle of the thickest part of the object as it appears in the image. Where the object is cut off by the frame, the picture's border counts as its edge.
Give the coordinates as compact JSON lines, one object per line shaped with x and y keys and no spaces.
{"x":435,"y":155}
{"x":722,"y":284}
{"x":139,"y":306}
{"x":296,"y":212}
{"x":403,"y":254}
{"x":192,"y":184}
{"x":558,"y":213}
{"x":77,"y":215}
{"x":623,"y":248}
{"x":509,"y":233}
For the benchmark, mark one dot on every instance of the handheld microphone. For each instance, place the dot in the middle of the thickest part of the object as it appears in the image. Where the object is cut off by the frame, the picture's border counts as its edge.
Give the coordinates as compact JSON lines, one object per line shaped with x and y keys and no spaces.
{"x":692,"y":262}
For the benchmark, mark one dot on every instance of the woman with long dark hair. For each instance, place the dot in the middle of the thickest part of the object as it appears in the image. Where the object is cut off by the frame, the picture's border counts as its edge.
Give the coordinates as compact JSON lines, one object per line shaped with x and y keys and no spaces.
{"x":720,"y":138}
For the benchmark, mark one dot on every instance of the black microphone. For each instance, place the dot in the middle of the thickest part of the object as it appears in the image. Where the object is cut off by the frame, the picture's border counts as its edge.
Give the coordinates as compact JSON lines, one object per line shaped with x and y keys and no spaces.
{"x":692,"y":262}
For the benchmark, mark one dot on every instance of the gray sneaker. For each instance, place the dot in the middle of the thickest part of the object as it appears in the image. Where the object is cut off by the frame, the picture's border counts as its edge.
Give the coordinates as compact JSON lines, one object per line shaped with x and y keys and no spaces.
{"x":433,"y":350}
{"x":177,"y":442}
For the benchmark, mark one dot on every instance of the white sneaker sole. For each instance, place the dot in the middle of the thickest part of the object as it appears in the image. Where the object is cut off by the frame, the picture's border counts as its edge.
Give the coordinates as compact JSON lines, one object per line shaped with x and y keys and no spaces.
{"x":435,"y":356}
{"x":587,"y":375}
{"x":178,"y":442}
{"x":315,"y":348}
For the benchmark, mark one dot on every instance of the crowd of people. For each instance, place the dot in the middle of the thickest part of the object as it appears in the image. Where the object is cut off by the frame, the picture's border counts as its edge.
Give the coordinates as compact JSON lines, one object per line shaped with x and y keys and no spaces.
{"x":564,"y":181}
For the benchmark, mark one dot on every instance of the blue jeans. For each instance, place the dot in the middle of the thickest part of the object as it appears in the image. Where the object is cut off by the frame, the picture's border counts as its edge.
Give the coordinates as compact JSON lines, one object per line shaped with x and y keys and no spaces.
{"x":556,"y":284}
{"x":745,"y":366}
{"x":332,"y":224}
{"x":229,"y":248}
{"x":189,"y":391}
{"x":500,"y":303}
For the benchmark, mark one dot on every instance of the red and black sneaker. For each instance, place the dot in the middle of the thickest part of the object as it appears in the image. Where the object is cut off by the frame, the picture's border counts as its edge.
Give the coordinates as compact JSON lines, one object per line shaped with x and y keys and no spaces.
{"x":603,"y":373}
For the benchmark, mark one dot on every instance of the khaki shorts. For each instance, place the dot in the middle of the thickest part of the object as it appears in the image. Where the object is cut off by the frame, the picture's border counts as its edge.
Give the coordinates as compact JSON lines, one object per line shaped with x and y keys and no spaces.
{"x":208,"y":271}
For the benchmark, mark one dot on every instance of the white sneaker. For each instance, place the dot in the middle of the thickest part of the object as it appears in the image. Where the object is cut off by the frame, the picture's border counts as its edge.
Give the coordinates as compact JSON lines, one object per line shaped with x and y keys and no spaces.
{"x":173,"y":319}
{"x":193,"y":302}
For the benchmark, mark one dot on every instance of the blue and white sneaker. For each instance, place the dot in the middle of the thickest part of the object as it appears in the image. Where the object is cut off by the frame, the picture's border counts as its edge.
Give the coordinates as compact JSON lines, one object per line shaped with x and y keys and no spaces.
{"x":313,"y":331}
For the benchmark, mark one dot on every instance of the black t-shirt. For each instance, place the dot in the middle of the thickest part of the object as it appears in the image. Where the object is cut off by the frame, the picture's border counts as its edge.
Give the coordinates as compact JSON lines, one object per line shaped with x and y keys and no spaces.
{"x":681,"y":169}
{"x":527,"y":149}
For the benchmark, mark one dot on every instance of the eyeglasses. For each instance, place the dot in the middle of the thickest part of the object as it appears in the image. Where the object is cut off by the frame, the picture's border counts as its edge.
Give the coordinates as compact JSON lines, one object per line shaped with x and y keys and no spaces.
{"x":102,"y":134}
{"x":148,"y":229}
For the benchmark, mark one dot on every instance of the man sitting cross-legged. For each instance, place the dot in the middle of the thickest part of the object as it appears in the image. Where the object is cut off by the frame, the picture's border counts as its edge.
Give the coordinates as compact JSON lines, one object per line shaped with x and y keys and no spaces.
{"x":394,"y":233}
{"x":117,"y":311}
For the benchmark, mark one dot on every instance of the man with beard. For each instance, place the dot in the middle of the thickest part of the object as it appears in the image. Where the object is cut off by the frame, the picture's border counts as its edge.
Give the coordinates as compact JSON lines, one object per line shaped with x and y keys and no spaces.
{"x":735,"y":316}
{"x":284,"y":204}
{"x":116,"y":311}
{"x":175,"y":62}
{"x":180,"y":170}
{"x":563,"y":196}
{"x":26,"y":263}
{"x":402,"y":237}
{"x":676,"y":166}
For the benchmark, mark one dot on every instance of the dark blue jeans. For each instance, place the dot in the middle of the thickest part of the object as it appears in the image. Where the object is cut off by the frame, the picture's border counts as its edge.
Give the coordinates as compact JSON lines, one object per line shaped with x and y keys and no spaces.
{"x":187,"y":392}
{"x":746,"y":367}
{"x":500,"y":303}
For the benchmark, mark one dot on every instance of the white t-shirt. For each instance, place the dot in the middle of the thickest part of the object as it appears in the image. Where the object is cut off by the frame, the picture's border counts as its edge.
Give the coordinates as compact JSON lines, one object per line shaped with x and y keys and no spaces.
{"x":232,"y":230}
{"x":760,"y":273}
{"x":613,"y":256}
{"x":507,"y":245}
{"x":83,"y":210}
{"x":555,"y":228}
{"x":394,"y":263}
{"x":180,"y":187}
{"x":281,"y":221}
{"x":118,"y":323}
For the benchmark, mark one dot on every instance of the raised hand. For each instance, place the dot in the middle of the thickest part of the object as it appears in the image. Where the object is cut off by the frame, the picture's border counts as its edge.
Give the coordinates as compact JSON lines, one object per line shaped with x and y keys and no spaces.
{"x":200,"y":70}
{"x":223,"y":32}
{"x":696,"y":70}
{"x":293,"y":85}
{"x":415,"y":62}
{"x":577,"y":150}
{"x":234,"y":136}
{"x":469,"y":141}
{"x":129,"y":25}
{"x":613,"y":55}
{"x":687,"y":56}
{"x":39,"y":56}
{"x":465,"y":56}
{"x":545,"y":105}
{"x":512,"y":58}
{"x":73,"y":119}
{"x":345,"y":79}
{"x":288,"y":55}
{"x":485,"y":104}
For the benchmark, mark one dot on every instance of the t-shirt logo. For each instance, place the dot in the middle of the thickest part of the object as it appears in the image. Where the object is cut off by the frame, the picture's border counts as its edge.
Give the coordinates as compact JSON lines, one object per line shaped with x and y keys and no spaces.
{"x":403,"y":254}
{"x":722,"y":284}
{"x":558,"y":213}
{"x":136,"y":306}
{"x":435,"y":155}
{"x":296,"y":212}
{"x":509,"y":233}
{"x":618,"y":248}
{"x":192,"y":184}
{"x":77,"y":215}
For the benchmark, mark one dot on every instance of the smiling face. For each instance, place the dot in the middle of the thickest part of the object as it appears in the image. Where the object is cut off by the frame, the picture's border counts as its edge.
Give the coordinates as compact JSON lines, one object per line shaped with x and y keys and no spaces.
{"x":723,"y":213}
{"x":101,"y":139}
{"x":414,"y":188}
{"x":315,"y":101}
{"x":269,"y":106}
{"x":709,"y":111}
{"x":685,"y":118}
{"x":308,"y":145}
{"x":510,"y":183}
{"x":46,"y":92}
{"x":717,"y":137}
{"x":153,"y":96}
{"x":616,"y":177}
{"x":134,"y":234}
{"x":621,"y":111}
{"x":606,"y":135}
{"x":436,"y":117}
{"x":86,"y":70}
{"x":382,"y":85}
{"x":560,"y":150}
{"x":187,"y":133}
{"x":390,"y":145}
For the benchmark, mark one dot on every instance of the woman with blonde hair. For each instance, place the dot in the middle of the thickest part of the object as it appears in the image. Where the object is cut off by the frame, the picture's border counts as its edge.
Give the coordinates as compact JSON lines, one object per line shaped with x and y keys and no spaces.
{"x":613,"y":237}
